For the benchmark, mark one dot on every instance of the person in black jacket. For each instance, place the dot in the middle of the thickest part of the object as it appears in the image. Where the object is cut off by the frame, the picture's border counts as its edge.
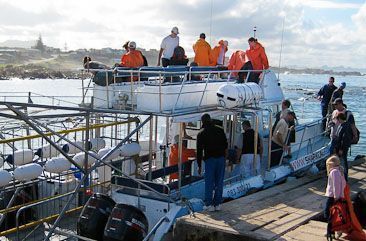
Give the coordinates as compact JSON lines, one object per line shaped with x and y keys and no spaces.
{"x":245,"y":148}
{"x":325,"y":95}
{"x":343,"y":138}
{"x":212,"y":147}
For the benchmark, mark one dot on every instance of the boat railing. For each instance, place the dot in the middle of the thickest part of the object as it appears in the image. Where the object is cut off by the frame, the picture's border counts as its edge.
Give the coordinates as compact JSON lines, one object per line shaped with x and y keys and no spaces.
{"x":30,"y":97}
{"x":163,"y":78}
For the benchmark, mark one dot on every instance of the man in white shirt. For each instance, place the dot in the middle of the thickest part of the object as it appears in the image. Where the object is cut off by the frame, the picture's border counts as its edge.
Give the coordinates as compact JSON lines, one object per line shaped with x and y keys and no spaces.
{"x":167,"y":47}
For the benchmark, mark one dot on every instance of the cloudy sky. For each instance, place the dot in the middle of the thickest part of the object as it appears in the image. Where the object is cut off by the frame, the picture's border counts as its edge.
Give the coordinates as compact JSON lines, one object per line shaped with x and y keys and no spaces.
{"x":316,"y":32}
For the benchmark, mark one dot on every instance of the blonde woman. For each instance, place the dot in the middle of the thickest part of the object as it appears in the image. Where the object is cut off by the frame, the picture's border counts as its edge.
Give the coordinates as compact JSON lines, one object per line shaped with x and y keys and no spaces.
{"x":336,"y":183}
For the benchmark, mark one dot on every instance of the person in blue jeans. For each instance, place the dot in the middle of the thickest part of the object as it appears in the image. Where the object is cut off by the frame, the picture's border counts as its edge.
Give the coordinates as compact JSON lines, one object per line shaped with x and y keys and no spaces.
{"x":212,"y":147}
{"x":325,"y":96}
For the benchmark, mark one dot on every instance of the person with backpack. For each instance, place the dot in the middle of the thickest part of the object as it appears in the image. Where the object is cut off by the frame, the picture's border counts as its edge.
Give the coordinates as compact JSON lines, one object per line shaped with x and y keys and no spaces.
{"x":245,"y":147}
{"x":335,"y":187}
{"x":343,"y":138}
{"x":339,"y":107}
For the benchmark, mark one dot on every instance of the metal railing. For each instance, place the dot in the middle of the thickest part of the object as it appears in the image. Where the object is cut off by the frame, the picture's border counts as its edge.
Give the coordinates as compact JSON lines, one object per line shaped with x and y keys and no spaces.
{"x":137,"y":77}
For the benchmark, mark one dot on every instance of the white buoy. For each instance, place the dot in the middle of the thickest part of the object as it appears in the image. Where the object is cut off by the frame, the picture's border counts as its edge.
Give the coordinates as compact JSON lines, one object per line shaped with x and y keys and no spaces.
{"x":130,"y":149}
{"x":97,"y":144}
{"x":57,"y":165}
{"x":5,"y":178}
{"x":236,"y":95}
{"x":105,"y":150}
{"x":22,"y":157}
{"x":73,"y":149}
{"x":47,"y":151}
{"x":28,"y":172}
{"x":79,"y":158}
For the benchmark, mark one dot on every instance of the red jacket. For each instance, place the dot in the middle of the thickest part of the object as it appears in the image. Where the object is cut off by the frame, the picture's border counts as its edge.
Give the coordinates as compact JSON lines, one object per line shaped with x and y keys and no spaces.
{"x":258,"y":57}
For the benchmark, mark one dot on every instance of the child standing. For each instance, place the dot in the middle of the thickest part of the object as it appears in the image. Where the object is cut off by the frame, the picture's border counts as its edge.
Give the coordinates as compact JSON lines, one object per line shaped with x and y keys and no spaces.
{"x":336,"y":183}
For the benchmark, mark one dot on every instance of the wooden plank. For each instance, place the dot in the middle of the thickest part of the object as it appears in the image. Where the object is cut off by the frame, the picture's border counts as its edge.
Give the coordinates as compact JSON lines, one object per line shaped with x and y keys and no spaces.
{"x":281,"y":210}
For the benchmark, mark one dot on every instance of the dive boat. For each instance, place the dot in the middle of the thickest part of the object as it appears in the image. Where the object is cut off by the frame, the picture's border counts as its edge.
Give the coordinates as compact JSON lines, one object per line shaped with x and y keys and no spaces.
{"x":121,"y":150}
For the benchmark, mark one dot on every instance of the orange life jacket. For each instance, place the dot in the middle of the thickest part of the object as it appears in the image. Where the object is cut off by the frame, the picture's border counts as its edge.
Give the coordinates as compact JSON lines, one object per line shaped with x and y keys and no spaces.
{"x":174,"y":158}
{"x":258,"y":57}
{"x":237,"y":60}
{"x":202,"y":51}
{"x":132,"y":59}
{"x":216,"y":52}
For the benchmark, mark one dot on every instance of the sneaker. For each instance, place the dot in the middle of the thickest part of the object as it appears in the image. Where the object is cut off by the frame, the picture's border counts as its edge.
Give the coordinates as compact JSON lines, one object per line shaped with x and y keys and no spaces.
{"x":209,"y":208}
{"x":218,"y":208}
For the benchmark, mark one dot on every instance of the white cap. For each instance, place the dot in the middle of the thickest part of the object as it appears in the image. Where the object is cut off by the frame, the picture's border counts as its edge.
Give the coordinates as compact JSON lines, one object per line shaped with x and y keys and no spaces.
{"x":132,"y":45}
{"x":226,"y":43}
{"x":175,"y":30}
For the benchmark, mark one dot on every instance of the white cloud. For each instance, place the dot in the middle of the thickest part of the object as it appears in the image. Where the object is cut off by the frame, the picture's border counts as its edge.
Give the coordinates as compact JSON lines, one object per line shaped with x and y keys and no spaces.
{"x":97,"y":24}
{"x":329,"y":4}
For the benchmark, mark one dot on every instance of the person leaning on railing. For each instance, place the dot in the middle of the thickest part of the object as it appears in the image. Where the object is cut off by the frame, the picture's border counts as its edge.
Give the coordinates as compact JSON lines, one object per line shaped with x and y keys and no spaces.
{"x":279,"y":138}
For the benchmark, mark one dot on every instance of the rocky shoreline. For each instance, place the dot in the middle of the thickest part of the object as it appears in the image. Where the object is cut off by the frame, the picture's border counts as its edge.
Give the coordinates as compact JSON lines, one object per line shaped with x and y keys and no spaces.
{"x":31,"y":71}
{"x":34,"y":71}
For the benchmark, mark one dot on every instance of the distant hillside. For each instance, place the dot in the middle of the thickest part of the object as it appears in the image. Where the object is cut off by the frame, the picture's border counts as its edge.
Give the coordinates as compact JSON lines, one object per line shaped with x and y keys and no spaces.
{"x":18,"y":44}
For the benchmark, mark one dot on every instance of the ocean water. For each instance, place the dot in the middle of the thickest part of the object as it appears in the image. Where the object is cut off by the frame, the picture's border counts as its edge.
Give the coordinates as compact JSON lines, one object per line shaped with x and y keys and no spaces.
{"x":300,"y":89}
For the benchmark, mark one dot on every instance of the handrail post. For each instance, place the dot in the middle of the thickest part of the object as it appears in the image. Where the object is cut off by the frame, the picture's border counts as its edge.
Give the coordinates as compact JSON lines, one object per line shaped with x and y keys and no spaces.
{"x":269,"y":140}
{"x":204,"y":90}
{"x":302,"y":139}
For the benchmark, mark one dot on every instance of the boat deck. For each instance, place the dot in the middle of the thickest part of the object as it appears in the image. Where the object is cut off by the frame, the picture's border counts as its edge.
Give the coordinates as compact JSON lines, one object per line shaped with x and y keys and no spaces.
{"x":279,"y":213}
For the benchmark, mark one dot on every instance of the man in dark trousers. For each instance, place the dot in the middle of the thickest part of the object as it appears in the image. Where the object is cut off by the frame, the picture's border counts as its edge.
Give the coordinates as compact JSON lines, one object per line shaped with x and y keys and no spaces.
{"x":325,"y":95}
{"x":211,"y":147}
{"x":343,"y":138}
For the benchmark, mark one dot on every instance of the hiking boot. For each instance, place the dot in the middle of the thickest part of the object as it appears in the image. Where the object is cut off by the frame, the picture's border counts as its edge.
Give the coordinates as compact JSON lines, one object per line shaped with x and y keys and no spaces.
{"x":218,"y":207}
{"x":210,"y":208}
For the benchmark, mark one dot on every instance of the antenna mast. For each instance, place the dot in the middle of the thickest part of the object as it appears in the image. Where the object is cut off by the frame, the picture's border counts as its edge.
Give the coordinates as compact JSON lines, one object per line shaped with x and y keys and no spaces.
{"x":254,"y":30}
{"x":211,"y":22}
{"x":279,"y":62}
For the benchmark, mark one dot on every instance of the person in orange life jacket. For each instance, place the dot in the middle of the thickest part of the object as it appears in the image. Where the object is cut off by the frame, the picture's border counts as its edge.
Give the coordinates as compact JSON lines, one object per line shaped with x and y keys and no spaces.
{"x":167,"y":47}
{"x":258,"y":59}
{"x":202,"y":51}
{"x":174,"y":157}
{"x":125,"y":46}
{"x":133,"y":58}
{"x":335,"y":185}
{"x":236,"y":62}
{"x":217,"y":56}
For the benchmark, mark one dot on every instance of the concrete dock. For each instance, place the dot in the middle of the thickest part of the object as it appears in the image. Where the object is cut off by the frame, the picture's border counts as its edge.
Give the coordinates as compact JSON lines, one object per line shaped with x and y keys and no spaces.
{"x":284,"y":212}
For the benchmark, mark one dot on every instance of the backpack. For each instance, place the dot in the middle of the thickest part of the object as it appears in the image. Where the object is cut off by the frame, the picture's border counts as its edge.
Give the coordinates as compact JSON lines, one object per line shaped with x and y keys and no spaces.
{"x":355,"y":131}
{"x":340,"y":218}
